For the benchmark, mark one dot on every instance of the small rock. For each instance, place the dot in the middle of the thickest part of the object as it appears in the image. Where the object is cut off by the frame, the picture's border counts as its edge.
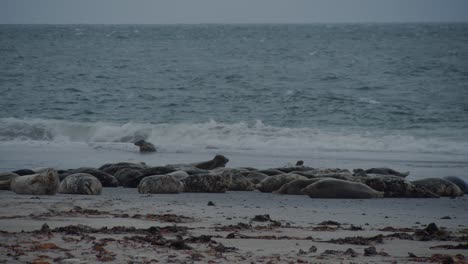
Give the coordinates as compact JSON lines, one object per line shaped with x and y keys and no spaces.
{"x":411,"y":255}
{"x":351,"y":252}
{"x":301,"y":252}
{"x":446,"y":217}
{"x":262,"y":218}
{"x":300,"y":163}
{"x":370,"y":251}
{"x":210,"y":203}
{"x":312,"y":249}
{"x":431,"y":229}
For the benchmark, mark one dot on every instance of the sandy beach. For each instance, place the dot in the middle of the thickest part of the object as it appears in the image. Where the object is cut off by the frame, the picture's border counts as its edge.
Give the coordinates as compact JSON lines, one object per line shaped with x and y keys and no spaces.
{"x":123,"y":226}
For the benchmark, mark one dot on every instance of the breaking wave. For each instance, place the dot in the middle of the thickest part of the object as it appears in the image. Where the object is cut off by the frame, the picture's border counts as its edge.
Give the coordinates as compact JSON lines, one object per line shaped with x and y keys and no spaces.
{"x":216,"y":135}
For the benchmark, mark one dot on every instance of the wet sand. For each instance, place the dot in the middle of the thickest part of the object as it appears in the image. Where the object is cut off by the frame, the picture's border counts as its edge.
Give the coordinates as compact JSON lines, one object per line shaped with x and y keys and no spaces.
{"x":123,"y":226}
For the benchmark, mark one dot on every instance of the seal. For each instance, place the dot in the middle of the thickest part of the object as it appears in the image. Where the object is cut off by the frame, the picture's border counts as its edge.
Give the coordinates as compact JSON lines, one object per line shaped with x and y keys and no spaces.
{"x":295,"y":187}
{"x":334,"y":188}
{"x":459,"y":182}
{"x":80,"y":183}
{"x":160,"y":184}
{"x":5,"y":180}
{"x":45,"y":183}
{"x":273,"y":183}
{"x":106,"y":179}
{"x":440,"y":187}
{"x":397,"y":187}
{"x":217,"y":162}
{"x":387,"y":171}
{"x":207,"y":183}
{"x":145,"y":147}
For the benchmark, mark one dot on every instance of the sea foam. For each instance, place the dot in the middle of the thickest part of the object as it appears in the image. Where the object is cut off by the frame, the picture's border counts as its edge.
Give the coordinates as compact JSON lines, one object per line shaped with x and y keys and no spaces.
{"x":241,"y":136}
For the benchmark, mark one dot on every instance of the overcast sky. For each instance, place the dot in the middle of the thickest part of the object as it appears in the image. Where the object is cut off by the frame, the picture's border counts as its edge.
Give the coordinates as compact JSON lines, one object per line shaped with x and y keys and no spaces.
{"x":230,"y":11}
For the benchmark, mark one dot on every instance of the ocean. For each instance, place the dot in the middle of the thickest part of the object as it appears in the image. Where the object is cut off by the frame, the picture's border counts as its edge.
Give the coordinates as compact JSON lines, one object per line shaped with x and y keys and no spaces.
{"x":333,"y":95}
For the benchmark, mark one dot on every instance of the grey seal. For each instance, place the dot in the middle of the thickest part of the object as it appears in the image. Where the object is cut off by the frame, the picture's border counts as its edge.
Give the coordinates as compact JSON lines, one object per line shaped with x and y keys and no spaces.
{"x":459,"y":182}
{"x":160,"y":184}
{"x":80,"y":183}
{"x":240,"y":183}
{"x":45,"y":183}
{"x":207,"y":183}
{"x":335,"y":188}
{"x":106,"y":179}
{"x":394,"y":186}
{"x":273,"y":183}
{"x":440,"y":187}
{"x":145,"y":147}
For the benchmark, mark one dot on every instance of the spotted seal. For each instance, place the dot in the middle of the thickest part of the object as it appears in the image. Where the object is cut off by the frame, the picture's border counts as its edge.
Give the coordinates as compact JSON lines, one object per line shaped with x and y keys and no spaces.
{"x":80,"y":183}
{"x":207,"y":183}
{"x":160,"y":184}
{"x":440,"y":187}
{"x":335,"y":188}
{"x":45,"y":183}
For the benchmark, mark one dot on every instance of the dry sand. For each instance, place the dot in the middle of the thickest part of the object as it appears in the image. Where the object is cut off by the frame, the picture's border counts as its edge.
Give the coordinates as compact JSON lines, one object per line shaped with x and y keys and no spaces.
{"x":188,"y":230}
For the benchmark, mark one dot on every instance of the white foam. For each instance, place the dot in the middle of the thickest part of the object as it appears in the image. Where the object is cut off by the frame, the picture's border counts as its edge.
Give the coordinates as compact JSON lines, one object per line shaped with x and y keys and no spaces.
{"x":239,"y":137}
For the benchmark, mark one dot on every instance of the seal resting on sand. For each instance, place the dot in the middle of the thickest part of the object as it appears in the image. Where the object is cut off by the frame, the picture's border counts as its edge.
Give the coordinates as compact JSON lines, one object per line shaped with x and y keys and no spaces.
{"x":334,"y":188}
{"x":216,"y":162}
{"x":145,"y":147}
{"x":387,"y":171}
{"x":45,"y":183}
{"x":440,"y":187}
{"x":80,"y":183}
{"x":394,"y":186}
{"x":160,"y":184}
{"x":459,"y":182}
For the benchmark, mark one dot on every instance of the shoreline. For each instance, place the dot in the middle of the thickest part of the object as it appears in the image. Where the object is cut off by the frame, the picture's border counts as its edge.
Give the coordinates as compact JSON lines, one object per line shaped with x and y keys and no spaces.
{"x":299,"y":226}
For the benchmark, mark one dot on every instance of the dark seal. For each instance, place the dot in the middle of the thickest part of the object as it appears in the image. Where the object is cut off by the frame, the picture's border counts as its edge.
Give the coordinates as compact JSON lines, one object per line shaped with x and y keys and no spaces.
{"x":145,"y":147}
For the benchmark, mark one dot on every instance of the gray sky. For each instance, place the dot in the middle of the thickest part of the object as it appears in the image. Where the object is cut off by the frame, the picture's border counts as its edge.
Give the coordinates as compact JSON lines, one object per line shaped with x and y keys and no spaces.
{"x":230,"y":11}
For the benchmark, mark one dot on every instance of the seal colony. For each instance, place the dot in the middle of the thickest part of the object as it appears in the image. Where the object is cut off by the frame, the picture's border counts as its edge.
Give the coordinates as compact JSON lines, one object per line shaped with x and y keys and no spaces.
{"x":213,"y":177}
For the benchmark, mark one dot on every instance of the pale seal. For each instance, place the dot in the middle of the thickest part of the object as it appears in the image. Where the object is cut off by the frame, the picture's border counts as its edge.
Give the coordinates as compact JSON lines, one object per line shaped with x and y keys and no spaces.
{"x":440,"y":187}
{"x":334,"y":188}
{"x":160,"y":184}
{"x":80,"y":183}
{"x":106,"y":179}
{"x":459,"y":182}
{"x":45,"y":183}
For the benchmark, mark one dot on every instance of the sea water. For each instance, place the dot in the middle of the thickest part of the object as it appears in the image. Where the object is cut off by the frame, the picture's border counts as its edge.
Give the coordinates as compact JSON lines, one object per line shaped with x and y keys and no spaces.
{"x":333,"y":95}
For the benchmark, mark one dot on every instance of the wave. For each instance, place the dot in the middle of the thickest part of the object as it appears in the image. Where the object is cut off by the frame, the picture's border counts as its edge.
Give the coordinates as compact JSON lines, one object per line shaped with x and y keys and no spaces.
{"x":225,"y":136}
